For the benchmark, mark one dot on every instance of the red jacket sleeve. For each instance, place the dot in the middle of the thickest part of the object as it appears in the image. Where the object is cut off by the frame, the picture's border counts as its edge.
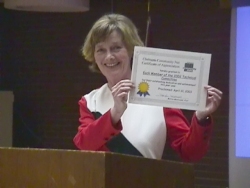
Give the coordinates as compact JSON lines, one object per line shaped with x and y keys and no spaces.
{"x":94,"y":133}
{"x":191,"y":142}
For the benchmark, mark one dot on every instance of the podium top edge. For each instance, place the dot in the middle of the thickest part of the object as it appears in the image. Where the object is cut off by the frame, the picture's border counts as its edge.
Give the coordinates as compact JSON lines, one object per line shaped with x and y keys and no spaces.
{"x":48,"y":149}
{"x":101,"y":153}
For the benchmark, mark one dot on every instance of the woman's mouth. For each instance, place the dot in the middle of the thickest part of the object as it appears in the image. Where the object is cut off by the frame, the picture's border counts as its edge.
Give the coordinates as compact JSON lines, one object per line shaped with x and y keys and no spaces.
{"x":112,"y":64}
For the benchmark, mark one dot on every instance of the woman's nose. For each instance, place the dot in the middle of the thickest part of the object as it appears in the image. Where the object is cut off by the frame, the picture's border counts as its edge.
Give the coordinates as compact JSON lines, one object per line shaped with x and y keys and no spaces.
{"x":109,"y":55}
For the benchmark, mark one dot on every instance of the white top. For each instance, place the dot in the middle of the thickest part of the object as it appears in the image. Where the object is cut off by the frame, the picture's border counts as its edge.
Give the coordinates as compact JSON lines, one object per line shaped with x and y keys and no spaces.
{"x":144,"y":126}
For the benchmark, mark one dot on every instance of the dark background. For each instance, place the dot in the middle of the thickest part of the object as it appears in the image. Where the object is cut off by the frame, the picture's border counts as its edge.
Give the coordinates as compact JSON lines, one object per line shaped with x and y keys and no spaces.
{"x":41,"y":63}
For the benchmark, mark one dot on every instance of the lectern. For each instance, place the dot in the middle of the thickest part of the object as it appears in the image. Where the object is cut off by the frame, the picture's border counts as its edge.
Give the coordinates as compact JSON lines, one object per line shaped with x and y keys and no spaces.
{"x":50,"y":168}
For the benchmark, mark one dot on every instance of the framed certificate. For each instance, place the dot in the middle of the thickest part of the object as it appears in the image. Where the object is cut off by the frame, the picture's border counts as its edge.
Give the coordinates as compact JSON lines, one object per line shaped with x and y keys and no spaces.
{"x":170,"y":78}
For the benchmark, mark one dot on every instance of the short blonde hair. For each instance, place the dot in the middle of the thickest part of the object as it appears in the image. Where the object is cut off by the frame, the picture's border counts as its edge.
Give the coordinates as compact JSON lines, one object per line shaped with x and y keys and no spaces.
{"x":102,"y":28}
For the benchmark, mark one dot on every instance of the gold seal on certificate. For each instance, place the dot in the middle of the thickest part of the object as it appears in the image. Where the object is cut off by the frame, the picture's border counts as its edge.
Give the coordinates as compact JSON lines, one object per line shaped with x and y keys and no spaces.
{"x":169,"y":78}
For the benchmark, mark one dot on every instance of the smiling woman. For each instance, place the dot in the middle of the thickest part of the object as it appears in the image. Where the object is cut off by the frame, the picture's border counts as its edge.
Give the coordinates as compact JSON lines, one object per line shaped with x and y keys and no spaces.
{"x":109,"y":123}
{"x":113,"y":58}
{"x":102,"y":29}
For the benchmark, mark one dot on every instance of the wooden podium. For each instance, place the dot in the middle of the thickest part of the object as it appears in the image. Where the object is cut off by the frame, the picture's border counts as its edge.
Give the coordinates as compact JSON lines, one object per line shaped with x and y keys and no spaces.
{"x":49,"y":168}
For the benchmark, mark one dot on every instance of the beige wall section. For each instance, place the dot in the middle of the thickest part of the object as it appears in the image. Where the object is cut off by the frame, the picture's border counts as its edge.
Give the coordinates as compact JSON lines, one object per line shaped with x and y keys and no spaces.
{"x":6,"y":118}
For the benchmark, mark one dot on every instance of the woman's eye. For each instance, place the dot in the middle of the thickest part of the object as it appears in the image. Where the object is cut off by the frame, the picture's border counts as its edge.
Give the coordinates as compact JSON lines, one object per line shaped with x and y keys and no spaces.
{"x":100,"y":50}
{"x":117,"y":47}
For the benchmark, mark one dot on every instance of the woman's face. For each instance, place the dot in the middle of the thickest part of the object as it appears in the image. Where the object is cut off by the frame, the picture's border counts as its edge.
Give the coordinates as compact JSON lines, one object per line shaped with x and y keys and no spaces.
{"x":113,"y":59}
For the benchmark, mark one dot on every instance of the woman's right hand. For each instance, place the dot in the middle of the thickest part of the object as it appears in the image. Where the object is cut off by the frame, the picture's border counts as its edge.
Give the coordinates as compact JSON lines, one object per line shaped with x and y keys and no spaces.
{"x":120,"y":95}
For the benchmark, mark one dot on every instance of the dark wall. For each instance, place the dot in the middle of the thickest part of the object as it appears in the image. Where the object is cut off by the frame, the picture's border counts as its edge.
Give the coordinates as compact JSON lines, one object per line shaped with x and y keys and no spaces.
{"x":43,"y":66}
{"x":1,"y":43}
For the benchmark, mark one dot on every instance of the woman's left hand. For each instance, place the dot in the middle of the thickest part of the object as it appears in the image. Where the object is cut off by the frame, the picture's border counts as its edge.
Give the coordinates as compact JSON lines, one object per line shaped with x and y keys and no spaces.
{"x":214,"y":97}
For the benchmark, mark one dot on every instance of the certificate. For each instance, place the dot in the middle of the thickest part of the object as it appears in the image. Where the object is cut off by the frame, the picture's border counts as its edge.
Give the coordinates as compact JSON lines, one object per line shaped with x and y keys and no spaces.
{"x":169,"y":78}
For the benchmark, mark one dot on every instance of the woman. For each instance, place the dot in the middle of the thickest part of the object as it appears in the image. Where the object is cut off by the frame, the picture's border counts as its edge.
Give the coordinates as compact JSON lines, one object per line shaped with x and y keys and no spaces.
{"x":109,"y":123}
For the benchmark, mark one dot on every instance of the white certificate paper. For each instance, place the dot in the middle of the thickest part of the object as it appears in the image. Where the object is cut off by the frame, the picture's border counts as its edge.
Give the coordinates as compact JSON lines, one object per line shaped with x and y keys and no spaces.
{"x":170,"y":78}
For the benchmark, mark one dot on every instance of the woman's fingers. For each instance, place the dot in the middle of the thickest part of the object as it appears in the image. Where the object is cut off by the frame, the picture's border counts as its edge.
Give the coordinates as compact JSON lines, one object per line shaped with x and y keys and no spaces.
{"x":214,"y":98}
{"x":122,"y":88}
{"x":213,"y":90}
